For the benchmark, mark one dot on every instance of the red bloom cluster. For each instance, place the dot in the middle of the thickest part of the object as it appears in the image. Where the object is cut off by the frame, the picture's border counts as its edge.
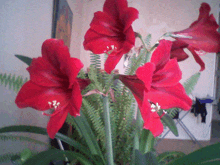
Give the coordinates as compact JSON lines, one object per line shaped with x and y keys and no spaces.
{"x":53,"y":77}
{"x":202,"y":36}
{"x":53,"y":84}
{"x":158,"y":82}
{"x":111,"y":32}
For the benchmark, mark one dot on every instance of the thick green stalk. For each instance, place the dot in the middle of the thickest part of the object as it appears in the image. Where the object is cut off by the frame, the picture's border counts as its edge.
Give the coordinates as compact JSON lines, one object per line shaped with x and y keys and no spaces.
{"x":109,"y":150}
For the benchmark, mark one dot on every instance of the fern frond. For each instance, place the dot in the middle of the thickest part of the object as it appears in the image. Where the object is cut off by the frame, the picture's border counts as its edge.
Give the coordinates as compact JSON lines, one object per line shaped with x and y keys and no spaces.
{"x":82,"y":74}
{"x":96,"y":119}
{"x":148,"y":41}
{"x":12,"y":81}
{"x":95,"y":61}
{"x":173,"y":111}
{"x":21,"y":138}
{"x":7,"y":157}
{"x":131,"y":62}
{"x":191,"y":82}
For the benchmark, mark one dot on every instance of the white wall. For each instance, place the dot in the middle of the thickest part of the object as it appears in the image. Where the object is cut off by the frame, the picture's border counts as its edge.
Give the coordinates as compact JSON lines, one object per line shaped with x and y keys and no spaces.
{"x":157,"y":17}
{"x":24,"y":25}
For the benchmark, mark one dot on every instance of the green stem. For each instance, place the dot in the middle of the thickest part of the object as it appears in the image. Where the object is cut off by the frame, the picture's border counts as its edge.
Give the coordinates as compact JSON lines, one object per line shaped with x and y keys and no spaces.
{"x":108,"y":134}
{"x":138,"y":125}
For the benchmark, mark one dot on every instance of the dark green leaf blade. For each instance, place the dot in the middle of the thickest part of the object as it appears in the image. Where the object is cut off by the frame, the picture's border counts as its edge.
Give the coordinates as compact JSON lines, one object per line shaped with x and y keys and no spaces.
{"x":43,"y":131}
{"x":170,"y":123}
{"x":146,"y":141}
{"x":45,"y":157}
{"x":26,"y":60}
{"x":204,"y":155}
{"x":86,"y":131}
{"x":167,"y":154}
{"x":145,"y":159}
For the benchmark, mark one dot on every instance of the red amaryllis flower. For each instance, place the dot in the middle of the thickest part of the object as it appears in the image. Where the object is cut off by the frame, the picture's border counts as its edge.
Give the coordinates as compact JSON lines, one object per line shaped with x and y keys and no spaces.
{"x":158,"y":82}
{"x":111,"y":32}
{"x":53,"y":84}
{"x":201,"y":36}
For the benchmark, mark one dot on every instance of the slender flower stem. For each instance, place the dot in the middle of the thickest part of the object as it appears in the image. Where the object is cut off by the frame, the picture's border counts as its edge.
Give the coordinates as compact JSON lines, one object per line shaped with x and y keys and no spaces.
{"x":139,"y":36}
{"x":109,"y":150}
{"x":61,"y":147}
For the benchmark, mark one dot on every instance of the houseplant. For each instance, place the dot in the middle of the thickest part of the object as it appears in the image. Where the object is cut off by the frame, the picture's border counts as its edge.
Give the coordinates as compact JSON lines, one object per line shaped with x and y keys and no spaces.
{"x":106,"y":130}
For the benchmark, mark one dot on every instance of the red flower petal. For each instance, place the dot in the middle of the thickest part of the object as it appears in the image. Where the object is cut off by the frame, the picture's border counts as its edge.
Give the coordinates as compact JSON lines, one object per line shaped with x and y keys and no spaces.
{"x":114,"y":8}
{"x":56,"y":122}
{"x":99,"y":43}
{"x":204,"y":11}
{"x":197,"y":58}
{"x":134,"y":84}
{"x":154,"y":124}
{"x":83,"y":83}
{"x":162,"y":54}
{"x":111,"y":30}
{"x":168,"y":76}
{"x":203,"y":32}
{"x":37,"y":97}
{"x":169,"y":97}
{"x":112,"y":61}
{"x":129,"y":16}
{"x":52,"y":51}
{"x":145,"y":109}
{"x":177,"y":50}
{"x":71,"y":69}
{"x":76,"y":100}
{"x":44,"y":74}
{"x":102,"y":23}
{"x":145,"y":73}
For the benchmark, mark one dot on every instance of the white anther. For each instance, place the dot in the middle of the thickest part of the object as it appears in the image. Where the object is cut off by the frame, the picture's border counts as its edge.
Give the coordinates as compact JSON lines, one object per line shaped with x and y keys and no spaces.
{"x":154,"y":107}
{"x":55,"y":104}
{"x":112,"y":46}
{"x":107,"y":47}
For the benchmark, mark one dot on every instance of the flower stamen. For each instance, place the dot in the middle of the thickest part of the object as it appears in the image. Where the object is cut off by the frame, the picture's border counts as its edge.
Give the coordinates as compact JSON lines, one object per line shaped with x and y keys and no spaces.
{"x":54,"y":104}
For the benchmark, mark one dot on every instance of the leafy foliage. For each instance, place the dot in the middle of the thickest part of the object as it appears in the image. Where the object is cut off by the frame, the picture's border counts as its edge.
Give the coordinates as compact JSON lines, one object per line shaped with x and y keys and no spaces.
{"x":7,"y":157}
{"x":21,"y":138}
{"x":12,"y":81}
{"x":205,"y":155}
{"x":121,"y":111}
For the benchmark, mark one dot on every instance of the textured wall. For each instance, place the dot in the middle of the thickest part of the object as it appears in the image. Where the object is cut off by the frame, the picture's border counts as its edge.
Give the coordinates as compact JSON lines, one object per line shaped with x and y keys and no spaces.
{"x":24,"y":25}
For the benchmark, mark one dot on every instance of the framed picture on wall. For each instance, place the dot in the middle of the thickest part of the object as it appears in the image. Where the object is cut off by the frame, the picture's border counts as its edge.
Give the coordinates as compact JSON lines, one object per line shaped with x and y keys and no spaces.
{"x":62,"y":21}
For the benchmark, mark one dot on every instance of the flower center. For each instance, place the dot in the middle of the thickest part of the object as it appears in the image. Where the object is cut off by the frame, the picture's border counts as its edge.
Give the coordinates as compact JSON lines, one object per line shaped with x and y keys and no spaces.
{"x":53,"y":105}
{"x":156,"y":108}
{"x":110,"y":49}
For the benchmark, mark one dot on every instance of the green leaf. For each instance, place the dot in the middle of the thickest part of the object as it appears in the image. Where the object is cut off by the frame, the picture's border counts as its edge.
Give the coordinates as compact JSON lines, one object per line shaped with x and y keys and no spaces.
{"x":145,"y":159}
{"x":25,"y":154}
{"x":205,"y":155}
{"x":86,"y":131}
{"x":168,"y":154}
{"x":39,"y":130}
{"x":25,"y":59}
{"x":8,"y":157}
{"x":45,"y":157}
{"x":146,"y":141}
{"x":22,"y":138}
{"x":170,"y":123}
{"x":191,"y":82}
